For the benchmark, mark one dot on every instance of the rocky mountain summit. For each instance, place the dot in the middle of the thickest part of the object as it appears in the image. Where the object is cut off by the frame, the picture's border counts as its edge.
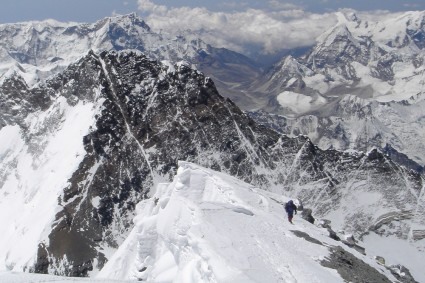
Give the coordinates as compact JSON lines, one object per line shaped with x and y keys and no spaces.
{"x":91,"y":142}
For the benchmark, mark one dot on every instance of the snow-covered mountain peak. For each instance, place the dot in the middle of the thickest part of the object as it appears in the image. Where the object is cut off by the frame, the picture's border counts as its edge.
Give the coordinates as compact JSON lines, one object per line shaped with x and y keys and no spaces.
{"x":413,"y":19}
{"x":290,"y":63}
{"x":43,"y":49}
{"x":339,"y":33}
{"x":406,"y":31}
{"x":74,"y":39}
{"x":291,"y":67}
{"x":128,"y":18}
{"x":346,"y":17}
{"x":129,"y":22}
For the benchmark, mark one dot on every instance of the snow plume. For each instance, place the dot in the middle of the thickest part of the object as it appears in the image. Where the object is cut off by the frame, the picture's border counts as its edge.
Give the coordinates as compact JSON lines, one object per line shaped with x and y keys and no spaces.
{"x":269,"y":31}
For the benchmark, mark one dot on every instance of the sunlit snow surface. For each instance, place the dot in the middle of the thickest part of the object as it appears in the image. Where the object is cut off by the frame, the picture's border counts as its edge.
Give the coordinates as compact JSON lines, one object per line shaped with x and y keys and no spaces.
{"x":394,"y":251}
{"x":17,"y":277}
{"x":209,"y":227}
{"x":300,"y":103}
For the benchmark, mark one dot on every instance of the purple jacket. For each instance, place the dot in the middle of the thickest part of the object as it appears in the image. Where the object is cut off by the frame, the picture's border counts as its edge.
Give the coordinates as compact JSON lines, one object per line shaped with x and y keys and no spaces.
{"x":290,"y":207}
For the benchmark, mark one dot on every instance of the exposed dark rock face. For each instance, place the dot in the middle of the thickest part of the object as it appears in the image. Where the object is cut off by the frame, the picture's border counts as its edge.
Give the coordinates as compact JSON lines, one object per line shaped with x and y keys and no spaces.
{"x":402,"y":274}
{"x":351,"y":268}
{"x":45,"y":44}
{"x":17,"y":101}
{"x":153,"y":115}
{"x":402,"y":159}
{"x":306,"y":214}
{"x":306,"y":237}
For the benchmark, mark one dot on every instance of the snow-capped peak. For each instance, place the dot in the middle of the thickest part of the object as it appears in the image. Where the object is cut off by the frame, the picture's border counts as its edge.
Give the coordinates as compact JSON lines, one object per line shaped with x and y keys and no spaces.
{"x":339,"y":32}
{"x":71,"y":40}
{"x":345,"y":17}
{"x":127,"y":21}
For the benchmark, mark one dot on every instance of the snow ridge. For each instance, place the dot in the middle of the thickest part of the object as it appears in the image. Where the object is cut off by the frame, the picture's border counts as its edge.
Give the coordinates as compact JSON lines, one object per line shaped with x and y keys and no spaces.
{"x":209,"y":227}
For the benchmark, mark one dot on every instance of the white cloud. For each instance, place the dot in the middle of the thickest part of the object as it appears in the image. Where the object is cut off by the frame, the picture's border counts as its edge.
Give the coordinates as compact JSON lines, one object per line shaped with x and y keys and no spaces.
{"x":251,"y":29}
{"x":150,"y":7}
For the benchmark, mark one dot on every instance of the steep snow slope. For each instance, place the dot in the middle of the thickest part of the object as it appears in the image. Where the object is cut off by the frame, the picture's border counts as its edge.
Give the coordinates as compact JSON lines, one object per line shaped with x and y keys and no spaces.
{"x":36,"y":164}
{"x":209,"y":227}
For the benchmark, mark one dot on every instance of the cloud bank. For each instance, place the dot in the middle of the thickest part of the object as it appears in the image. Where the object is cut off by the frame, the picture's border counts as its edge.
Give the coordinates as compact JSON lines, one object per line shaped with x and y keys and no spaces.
{"x":281,"y":26}
{"x":268,"y":31}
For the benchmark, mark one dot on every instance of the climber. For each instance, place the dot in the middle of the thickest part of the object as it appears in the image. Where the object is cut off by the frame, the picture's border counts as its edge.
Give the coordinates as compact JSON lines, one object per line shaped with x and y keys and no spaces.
{"x":290,"y":208}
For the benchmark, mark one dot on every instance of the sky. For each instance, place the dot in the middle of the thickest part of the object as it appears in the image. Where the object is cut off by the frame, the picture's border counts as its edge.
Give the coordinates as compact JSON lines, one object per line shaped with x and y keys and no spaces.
{"x":265,"y":26}
{"x":92,"y":10}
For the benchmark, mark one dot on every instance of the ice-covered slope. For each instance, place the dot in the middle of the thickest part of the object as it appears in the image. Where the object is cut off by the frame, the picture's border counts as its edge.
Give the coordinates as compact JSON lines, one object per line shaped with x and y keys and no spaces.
{"x":209,"y":227}
{"x":360,"y":86}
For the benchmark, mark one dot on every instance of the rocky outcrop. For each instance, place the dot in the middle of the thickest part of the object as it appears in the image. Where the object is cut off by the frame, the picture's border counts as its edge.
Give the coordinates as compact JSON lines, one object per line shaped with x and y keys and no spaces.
{"x":306,"y":214}
{"x":402,"y":273}
{"x":351,"y":268}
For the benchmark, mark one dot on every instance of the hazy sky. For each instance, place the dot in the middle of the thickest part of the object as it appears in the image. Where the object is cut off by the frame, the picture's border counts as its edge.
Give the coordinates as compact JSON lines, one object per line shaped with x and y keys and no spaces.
{"x":92,"y":10}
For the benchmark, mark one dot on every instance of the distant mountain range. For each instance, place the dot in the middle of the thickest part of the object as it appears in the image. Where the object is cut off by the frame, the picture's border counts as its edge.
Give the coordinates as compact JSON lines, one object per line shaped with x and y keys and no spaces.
{"x":361,"y":86}
{"x":36,"y":50}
